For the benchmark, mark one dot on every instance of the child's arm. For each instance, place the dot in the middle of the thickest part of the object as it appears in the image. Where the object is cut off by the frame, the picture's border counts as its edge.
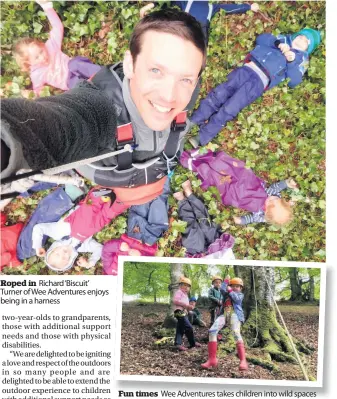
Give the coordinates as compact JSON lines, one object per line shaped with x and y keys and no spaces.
{"x":267,"y":39}
{"x":276,"y":188}
{"x":224,"y":285}
{"x":55,"y":230}
{"x":254,"y":217}
{"x":237,"y":297}
{"x":235,"y":8}
{"x":296,"y":69}
{"x":213,"y":298}
{"x":145,"y":9}
{"x":56,"y":33}
{"x":90,"y":245}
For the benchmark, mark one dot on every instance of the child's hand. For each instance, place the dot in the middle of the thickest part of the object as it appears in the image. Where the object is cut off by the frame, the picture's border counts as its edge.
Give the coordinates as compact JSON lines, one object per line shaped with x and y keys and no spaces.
{"x":254,"y":7}
{"x":134,"y":252}
{"x":144,"y":10}
{"x":228,"y":277}
{"x":290,"y":56}
{"x":229,"y":289}
{"x":82,"y":262}
{"x":291,"y":183}
{"x":41,"y":252}
{"x":284,"y":47}
{"x":124,"y":247}
{"x":237,"y":219}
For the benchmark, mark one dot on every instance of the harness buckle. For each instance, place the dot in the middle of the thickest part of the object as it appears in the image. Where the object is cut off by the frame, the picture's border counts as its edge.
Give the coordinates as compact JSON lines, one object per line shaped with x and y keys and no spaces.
{"x":179,"y":122}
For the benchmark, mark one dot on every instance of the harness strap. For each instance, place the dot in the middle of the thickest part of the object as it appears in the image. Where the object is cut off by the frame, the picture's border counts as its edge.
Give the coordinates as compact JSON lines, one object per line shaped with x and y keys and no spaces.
{"x":124,"y":136}
{"x":177,"y":126}
{"x":125,"y":133}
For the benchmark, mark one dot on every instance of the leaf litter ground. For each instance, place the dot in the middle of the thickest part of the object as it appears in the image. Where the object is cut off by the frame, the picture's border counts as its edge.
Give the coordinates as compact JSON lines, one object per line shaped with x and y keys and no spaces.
{"x":141,"y":356}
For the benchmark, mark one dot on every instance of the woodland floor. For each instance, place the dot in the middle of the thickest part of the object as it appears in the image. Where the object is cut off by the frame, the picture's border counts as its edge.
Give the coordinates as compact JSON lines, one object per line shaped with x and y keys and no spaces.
{"x":140,"y":355}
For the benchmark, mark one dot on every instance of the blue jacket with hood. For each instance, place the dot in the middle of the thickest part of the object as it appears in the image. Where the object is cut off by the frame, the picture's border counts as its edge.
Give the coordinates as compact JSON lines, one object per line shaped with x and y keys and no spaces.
{"x":273,"y":63}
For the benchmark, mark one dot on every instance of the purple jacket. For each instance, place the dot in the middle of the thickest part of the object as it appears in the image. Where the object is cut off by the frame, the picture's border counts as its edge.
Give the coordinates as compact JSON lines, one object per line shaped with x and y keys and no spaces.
{"x":238,"y":186}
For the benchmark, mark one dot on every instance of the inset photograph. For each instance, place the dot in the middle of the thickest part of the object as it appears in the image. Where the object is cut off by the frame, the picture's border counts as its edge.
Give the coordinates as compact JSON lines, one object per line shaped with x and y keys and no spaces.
{"x":232,"y":323}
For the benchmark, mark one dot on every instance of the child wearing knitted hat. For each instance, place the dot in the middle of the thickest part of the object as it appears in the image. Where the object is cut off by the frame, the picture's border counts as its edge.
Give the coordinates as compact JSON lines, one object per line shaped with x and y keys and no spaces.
{"x":274,"y":59}
{"x":181,"y":307}
{"x":231,"y":314}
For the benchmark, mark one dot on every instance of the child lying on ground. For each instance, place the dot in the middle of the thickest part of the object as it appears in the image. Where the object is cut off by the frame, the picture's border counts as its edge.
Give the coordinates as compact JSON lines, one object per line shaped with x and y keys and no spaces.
{"x":46,"y":63}
{"x":74,"y":233}
{"x":204,"y":11}
{"x":272,"y":60}
{"x":240,"y":187}
{"x":200,"y":231}
{"x":202,"y":237}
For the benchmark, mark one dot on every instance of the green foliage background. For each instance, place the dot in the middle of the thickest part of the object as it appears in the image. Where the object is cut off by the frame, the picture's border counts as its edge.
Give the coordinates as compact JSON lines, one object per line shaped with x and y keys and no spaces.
{"x":281,"y":135}
{"x":148,"y":282}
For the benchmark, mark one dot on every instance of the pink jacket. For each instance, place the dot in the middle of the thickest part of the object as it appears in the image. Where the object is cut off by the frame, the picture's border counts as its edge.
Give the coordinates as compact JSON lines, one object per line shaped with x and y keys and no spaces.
{"x":92,"y":215}
{"x":179,"y":299}
{"x":56,"y":72}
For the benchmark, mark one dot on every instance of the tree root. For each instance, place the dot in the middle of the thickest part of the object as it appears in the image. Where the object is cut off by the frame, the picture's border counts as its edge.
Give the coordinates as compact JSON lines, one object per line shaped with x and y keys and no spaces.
{"x":271,"y":337}
{"x":302,"y":347}
{"x":164,"y":332}
{"x":263,"y":363}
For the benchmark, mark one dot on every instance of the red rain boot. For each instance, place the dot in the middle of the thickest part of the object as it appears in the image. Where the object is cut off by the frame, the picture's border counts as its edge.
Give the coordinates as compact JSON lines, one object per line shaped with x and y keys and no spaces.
{"x":212,"y":360}
{"x":240,"y":347}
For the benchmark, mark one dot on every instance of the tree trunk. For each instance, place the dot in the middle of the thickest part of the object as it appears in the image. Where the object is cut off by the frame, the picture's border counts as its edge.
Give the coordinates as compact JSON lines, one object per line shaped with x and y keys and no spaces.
{"x":311,"y":289}
{"x":175,"y":273}
{"x":295,"y":284}
{"x":261,"y":329}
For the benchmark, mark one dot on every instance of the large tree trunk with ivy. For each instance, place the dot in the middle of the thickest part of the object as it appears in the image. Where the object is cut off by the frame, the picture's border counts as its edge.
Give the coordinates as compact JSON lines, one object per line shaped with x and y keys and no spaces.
{"x":262,"y":329}
{"x":175,"y":273}
{"x":295,"y":284}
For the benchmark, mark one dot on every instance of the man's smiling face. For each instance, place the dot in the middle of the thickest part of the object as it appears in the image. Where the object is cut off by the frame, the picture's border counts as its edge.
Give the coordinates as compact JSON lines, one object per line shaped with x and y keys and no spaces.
{"x":163,"y":77}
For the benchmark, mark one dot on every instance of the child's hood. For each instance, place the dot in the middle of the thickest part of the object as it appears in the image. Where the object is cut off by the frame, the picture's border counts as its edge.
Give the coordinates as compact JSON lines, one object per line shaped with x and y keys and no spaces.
{"x":71,"y":260}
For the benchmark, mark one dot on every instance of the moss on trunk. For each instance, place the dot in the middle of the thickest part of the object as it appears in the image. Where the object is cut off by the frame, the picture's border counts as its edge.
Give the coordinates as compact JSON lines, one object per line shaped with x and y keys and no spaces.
{"x":269,"y":334}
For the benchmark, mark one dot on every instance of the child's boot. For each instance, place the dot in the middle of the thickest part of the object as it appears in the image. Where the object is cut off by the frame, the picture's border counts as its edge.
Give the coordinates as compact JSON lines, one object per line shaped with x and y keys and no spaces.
{"x":240,"y":347}
{"x":212,"y":360}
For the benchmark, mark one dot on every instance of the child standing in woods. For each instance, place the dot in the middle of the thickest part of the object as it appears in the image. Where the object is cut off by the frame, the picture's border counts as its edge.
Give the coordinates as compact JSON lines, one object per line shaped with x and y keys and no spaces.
{"x":232,"y":314}
{"x":181,"y":307}
{"x":46,"y":63}
{"x":272,"y":60}
{"x":200,"y":231}
{"x":215,"y":296}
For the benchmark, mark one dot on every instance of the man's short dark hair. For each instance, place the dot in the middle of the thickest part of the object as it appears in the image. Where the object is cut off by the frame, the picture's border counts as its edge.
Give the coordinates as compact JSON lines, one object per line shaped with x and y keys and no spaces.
{"x":175,"y":22}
